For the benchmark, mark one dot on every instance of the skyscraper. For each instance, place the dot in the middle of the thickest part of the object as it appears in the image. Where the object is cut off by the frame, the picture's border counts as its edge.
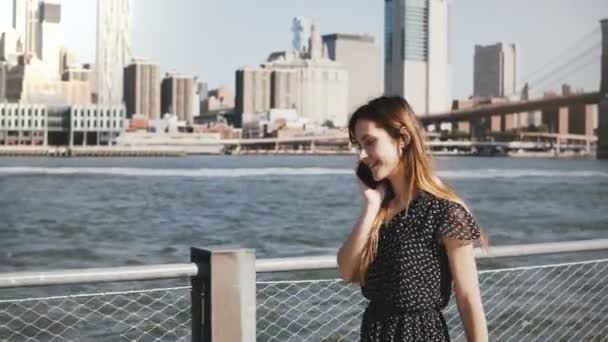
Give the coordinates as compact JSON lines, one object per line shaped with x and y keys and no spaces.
{"x":113,"y":48}
{"x":362,"y":57}
{"x":142,"y":89}
{"x":177,"y":94}
{"x":416,"y":64}
{"x":25,"y":21}
{"x":48,"y":40}
{"x":9,"y":51}
{"x":496,"y":70}
{"x":2,"y":81}
{"x":252,"y":90}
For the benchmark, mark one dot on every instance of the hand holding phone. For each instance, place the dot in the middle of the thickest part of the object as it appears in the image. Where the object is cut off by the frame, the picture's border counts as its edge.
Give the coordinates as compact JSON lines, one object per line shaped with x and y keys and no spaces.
{"x":365,"y":175}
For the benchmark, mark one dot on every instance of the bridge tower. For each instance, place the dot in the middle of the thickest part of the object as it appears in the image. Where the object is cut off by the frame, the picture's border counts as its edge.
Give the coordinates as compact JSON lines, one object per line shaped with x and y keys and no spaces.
{"x":602,"y":141}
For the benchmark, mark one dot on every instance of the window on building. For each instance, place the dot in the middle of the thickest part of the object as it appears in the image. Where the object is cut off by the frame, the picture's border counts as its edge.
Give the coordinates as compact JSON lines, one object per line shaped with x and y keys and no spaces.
{"x":414,"y":35}
{"x":388,"y":31}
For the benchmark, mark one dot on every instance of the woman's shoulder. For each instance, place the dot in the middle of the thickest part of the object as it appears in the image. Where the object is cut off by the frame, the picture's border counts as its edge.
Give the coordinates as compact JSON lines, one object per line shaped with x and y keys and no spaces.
{"x":453,"y":219}
{"x":440,"y":205}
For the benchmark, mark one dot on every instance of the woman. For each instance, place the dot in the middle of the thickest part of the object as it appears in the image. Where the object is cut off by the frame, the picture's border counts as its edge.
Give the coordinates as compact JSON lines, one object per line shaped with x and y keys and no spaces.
{"x":414,"y":235}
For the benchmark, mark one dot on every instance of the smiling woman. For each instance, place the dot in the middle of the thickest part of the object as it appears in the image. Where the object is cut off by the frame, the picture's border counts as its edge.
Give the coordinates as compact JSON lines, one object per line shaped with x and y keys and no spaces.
{"x":413,"y":237}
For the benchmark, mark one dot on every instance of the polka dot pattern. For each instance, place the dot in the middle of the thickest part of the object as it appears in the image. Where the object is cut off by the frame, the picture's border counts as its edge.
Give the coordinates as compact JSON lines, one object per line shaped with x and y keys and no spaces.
{"x":409,"y":281}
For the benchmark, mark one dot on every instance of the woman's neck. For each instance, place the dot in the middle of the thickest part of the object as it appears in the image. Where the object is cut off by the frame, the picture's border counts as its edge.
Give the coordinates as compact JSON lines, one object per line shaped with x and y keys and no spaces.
{"x":404,"y":192}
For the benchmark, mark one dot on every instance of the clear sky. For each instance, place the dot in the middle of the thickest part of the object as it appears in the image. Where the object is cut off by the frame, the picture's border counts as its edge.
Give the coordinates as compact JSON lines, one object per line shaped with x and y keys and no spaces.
{"x":212,"y":38}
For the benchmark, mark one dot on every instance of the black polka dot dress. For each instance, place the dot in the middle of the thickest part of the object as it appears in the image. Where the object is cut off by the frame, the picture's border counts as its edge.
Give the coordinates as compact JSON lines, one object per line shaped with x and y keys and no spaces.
{"x":409,"y":281}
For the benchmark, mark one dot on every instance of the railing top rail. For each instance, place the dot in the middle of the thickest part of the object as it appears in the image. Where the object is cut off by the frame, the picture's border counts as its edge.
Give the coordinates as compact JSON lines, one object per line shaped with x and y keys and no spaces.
{"x":329,"y":261}
{"x":97,"y":275}
{"x":171,"y":271}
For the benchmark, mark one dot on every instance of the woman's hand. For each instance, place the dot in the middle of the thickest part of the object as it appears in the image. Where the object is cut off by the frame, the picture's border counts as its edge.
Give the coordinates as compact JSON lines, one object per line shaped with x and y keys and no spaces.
{"x":372,"y":197}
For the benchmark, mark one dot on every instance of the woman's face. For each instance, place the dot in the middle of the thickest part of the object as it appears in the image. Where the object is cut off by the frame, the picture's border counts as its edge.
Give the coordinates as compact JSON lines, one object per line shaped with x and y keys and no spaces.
{"x":377,"y":149}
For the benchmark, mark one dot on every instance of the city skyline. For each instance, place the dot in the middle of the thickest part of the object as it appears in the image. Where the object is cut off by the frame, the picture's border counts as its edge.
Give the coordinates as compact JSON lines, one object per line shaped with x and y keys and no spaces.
{"x":237,"y":45}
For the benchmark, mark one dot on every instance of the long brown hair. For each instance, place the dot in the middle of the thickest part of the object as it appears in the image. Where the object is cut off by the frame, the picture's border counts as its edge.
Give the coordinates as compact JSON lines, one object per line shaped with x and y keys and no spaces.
{"x":396,"y":117}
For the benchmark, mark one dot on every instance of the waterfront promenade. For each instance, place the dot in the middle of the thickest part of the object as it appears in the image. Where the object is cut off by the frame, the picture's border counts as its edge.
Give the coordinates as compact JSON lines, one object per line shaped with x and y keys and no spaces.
{"x":233,"y":296}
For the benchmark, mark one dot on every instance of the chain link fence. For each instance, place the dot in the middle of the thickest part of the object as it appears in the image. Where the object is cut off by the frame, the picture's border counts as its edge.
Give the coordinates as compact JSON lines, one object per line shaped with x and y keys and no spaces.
{"x":144,"y":315}
{"x":562,"y":302}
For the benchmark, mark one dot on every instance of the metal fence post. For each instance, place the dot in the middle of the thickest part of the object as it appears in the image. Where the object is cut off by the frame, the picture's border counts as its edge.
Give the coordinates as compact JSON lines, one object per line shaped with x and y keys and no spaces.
{"x":224,"y":301}
{"x":199,"y":295}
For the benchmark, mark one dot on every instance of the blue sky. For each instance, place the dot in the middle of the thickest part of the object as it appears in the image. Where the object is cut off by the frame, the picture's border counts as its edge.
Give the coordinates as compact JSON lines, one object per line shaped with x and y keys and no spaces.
{"x":212,"y":38}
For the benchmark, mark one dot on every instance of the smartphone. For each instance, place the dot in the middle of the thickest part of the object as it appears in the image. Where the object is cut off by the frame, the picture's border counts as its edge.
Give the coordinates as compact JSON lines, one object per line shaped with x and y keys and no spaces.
{"x":365,"y":174}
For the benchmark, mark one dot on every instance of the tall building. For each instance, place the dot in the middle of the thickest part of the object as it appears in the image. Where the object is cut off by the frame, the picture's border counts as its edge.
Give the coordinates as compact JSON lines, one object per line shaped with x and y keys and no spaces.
{"x":177,"y":95}
{"x":30,"y":83}
{"x":416,"y":53}
{"x":196,"y":100}
{"x":113,"y":48}
{"x":48,"y":37}
{"x":203,"y":94}
{"x":317,"y":89}
{"x":495,"y":70}
{"x":25,"y":21}
{"x":255,"y":83}
{"x":362,"y":59}
{"x":307,"y":81}
{"x":2,"y":81}
{"x":9,"y":50}
{"x":203,"y":91}
{"x":142,"y":89}
{"x":285,"y":88}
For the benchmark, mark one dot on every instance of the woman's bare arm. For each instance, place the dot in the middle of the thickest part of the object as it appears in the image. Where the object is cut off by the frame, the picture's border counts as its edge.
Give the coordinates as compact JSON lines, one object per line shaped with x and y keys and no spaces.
{"x":349,"y":255}
{"x":466,"y":286}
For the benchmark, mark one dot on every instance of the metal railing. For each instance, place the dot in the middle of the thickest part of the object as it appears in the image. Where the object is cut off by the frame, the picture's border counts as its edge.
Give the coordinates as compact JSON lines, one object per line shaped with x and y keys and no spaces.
{"x":141,"y":315}
{"x":565,"y":301}
{"x":148,"y":314}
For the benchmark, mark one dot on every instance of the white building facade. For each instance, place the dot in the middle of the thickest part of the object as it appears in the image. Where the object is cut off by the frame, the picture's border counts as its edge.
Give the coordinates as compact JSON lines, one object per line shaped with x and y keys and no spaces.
{"x":114,"y":24}
{"x":416,"y":53}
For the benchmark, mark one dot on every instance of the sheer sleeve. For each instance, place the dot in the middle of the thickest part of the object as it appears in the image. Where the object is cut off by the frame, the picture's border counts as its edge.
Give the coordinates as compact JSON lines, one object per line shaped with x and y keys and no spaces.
{"x":456,"y":222}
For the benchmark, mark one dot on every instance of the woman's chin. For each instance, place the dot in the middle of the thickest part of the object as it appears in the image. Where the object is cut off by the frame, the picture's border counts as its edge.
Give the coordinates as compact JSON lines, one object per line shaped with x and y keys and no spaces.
{"x":377,"y":177}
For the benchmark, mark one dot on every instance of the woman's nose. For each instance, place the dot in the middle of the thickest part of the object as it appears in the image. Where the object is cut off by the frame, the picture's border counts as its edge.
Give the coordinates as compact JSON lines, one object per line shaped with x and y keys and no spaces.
{"x":362,"y":154}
